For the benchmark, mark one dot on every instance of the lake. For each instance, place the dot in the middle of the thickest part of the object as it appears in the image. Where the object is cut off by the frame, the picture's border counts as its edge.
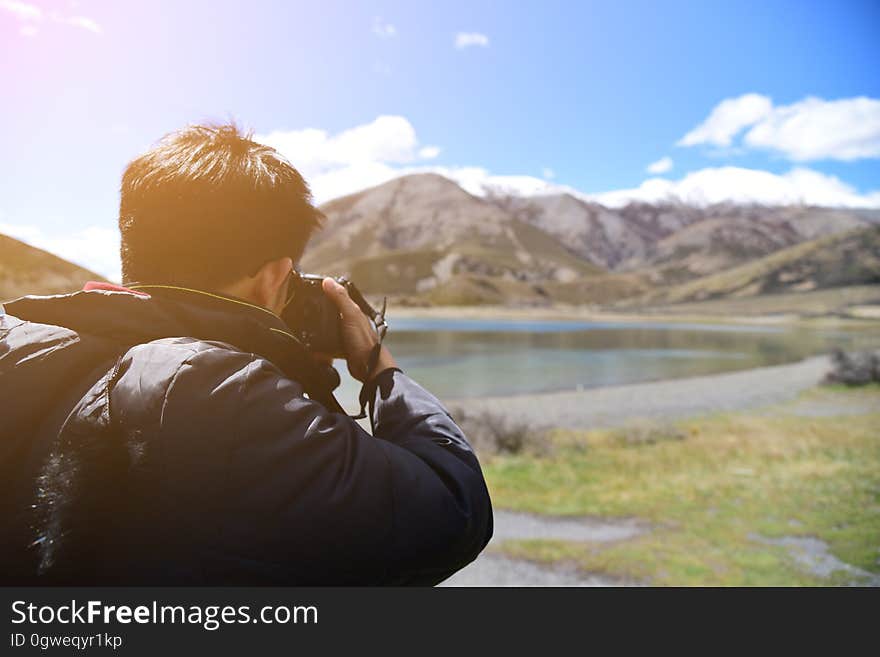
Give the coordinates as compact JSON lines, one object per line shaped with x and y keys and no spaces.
{"x":457,"y":358}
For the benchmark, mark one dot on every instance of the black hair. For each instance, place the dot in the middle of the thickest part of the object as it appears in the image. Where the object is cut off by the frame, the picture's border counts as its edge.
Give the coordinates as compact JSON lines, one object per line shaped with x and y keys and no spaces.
{"x":208,"y":205}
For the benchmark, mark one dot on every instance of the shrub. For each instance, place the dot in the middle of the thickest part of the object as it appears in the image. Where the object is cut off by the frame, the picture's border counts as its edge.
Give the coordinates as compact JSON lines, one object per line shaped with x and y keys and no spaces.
{"x":858,"y":368}
{"x":491,"y":433}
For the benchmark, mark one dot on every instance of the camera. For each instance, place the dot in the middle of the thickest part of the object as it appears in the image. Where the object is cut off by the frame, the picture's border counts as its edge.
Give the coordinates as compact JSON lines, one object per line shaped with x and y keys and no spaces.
{"x":314,"y":318}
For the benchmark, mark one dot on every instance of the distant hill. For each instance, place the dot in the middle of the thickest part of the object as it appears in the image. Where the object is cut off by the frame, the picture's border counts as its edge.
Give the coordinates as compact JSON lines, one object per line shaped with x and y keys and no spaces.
{"x":727,"y":236}
{"x":850,"y":258}
{"x":422,"y":238}
{"x":676,"y":242}
{"x":25,"y":269}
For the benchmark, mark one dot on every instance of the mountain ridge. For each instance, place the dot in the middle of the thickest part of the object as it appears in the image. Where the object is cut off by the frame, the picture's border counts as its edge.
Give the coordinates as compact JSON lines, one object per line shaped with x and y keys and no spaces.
{"x":424,"y":238}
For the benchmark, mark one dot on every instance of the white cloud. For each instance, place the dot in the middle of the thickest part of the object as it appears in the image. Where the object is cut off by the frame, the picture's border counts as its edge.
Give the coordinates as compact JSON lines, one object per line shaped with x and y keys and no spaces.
{"x":811,"y":129}
{"x":352,"y":159}
{"x":479,"y":182}
{"x":349,"y":179}
{"x":28,"y":13}
{"x":85,"y":23}
{"x":374,"y":153}
{"x":468,"y":39}
{"x":383,"y":29}
{"x":548,"y":173}
{"x":387,"y":139}
{"x":95,"y":247}
{"x":662,"y":165}
{"x":800,"y":186}
{"x":388,"y":147}
{"x":429,"y":152}
{"x":22,"y":10}
{"x":727,"y":119}
{"x":815,"y":129}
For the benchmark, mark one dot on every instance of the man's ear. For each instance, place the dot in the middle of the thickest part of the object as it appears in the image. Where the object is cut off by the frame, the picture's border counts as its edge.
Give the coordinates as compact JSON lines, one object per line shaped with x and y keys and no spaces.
{"x":270,"y":284}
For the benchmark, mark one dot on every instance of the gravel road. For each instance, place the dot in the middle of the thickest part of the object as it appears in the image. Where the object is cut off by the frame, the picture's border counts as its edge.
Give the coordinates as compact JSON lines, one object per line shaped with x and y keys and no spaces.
{"x":492,"y":569}
{"x":677,"y":398}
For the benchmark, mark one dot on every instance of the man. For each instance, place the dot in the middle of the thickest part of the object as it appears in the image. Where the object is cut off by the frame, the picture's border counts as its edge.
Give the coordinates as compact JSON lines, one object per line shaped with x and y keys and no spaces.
{"x":174,"y":431}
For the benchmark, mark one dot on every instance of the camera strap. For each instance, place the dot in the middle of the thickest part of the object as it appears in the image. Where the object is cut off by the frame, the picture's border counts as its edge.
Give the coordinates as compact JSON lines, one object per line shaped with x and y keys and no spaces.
{"x":366,"y":389}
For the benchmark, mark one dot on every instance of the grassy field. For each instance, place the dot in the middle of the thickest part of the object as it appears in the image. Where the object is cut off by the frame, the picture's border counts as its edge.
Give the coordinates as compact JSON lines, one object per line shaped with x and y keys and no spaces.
{"x":714,"y":490}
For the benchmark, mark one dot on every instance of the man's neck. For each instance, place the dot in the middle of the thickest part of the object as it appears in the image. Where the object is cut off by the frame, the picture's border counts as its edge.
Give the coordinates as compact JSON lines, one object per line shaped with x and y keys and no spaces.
{"x":245,"y":290}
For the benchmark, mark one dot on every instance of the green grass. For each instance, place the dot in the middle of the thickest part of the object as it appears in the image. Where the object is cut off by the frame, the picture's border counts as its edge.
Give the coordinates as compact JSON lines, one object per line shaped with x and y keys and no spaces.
{"x":707,"y":486}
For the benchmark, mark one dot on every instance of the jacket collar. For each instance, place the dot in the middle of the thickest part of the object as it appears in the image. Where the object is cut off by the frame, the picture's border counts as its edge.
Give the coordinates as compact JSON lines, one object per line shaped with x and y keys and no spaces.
{"x":144,"y":313}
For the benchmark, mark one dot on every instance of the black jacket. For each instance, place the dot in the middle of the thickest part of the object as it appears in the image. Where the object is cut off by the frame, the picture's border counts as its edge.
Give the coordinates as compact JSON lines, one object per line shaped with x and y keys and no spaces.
{"x":132,"y":455}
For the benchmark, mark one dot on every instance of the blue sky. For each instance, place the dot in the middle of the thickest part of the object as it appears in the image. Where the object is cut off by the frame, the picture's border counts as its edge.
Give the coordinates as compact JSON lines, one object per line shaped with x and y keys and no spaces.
{"x":580,"y":95}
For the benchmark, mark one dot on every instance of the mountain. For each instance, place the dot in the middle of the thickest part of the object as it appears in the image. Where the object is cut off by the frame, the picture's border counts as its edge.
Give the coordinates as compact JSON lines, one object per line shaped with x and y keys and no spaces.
{"x":423,"y":235}
{"x":726,"y":236}
{"x":25,"y":269}
{"x":424,"y":239}
{"x":674,"y":242}
{"x":845,"y":259}
{"x":605,"y":237}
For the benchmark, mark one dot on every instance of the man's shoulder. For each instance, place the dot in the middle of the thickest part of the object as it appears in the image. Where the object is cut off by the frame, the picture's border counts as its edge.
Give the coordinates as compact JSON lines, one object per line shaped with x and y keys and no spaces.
{"x":207,"y":357}
{"x":193,"y":397}
{"x":187,"y":367}
{"x":187,"y":348}
{"x":23,"y":341}
{"x":33,"y":331}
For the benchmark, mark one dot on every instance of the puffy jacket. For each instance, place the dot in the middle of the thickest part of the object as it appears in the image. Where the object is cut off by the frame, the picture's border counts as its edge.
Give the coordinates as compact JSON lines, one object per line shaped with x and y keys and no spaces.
{"x":179,"y":437}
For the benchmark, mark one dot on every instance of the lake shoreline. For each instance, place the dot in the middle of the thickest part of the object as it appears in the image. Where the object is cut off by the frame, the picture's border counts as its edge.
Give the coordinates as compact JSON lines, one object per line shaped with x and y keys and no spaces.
{"x":667,"y":399}
{"x":586,"y":314}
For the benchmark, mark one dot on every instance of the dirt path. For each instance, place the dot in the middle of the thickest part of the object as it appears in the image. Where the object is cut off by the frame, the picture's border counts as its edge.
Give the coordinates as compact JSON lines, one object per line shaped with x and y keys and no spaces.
{"x":496,"y":570}
{"x":679,"y":398}
{"x":492,"y":569}
{"x":812,"y":555}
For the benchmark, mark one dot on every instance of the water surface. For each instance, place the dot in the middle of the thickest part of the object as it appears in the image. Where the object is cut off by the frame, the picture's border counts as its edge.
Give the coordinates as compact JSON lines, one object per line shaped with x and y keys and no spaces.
{"x":457,"y":358}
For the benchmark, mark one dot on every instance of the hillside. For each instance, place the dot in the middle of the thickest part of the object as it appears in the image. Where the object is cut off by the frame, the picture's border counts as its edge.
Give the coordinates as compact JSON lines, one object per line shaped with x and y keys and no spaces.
{"x":423,"y":239}
{"x":422,"y":235}
{"x":25,"y":269}
{"x":845,"y":259}
{"x":673,"y":243}
{"x":727,"y":236}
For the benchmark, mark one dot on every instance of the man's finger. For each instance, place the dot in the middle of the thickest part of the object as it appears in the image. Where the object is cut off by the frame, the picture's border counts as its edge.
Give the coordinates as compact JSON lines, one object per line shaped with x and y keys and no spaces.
{"x":340,"y":297}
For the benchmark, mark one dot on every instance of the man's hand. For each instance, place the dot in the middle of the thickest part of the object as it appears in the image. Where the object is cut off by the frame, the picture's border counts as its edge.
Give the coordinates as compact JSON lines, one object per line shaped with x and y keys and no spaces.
{"x":358,"y":334}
